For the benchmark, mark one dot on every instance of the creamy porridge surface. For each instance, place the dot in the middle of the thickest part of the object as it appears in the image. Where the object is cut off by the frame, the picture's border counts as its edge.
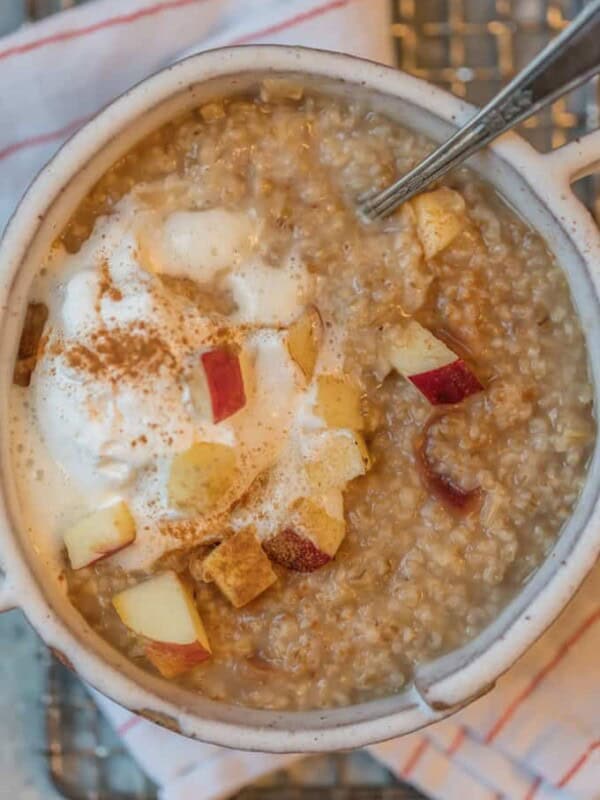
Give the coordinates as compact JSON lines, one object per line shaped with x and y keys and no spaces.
{"x":326,"y":451}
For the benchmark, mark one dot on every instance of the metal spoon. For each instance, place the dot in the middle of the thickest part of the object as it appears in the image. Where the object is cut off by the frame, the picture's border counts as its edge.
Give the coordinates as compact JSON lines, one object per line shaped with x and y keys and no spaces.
{"x":569,"y":60}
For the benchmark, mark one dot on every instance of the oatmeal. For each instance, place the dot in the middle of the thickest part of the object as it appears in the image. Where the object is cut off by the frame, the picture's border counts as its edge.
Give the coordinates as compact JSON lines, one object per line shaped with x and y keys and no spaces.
{"x":284,"y":457}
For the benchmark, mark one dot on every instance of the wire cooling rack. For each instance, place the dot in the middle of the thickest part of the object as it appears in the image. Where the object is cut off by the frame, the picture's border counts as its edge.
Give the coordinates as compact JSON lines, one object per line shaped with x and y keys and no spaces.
{"x":470,"y":47}
{"x":473,"y":47}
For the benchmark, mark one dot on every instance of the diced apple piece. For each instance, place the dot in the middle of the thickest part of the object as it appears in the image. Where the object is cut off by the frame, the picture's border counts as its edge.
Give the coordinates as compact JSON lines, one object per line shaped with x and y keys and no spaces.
{"x":444,"y":488}
{"x":441,"y":484}
{"x":33,"y":327}
{"x":225,"y":382}
{"x":309,"y":539}
{"x":331,"y":502}
{"x":274,"y":89}
{"x":338,"y":456}
{"x":172,"y":660}
{"x":429,"y":364}
{"x":240,"y":568}
{"x":212,"y":112}
{"x":163,"y":611}
{"x":338,"y":402}
{"x":217,"y":386}
{"x":440,"y":218}
{"x":99,"y":534}
{"x":448,"y":384}
{"x":31,"y":335}
{"x":201,"y":476}
{"x":23,"y":371}
{"x":304,"y":339}
{"x":413,"y":350}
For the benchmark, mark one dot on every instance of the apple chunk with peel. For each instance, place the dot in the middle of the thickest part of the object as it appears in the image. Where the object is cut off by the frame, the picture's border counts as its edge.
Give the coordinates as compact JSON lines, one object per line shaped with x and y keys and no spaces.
{"x":240,"y":568}
{"x":29,"y":345}
{"x":440,"y":217}
{"x":336,"y":457}
{"x":163,"y":611}
{"x":338,"y":402}
{"x":202,"y":476}
{"x":217,"y":386}
{"x":99,"y":534}
{"x":429,"y":364}
{"x":304,"y":339}
{"x":309,"y":539}
{"x":440,"y":483}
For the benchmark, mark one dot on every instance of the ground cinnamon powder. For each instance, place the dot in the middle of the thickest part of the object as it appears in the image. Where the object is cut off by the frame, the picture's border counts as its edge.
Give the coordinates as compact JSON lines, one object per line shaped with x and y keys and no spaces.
{"x":106,"y":286}
{"x":131,"y":352}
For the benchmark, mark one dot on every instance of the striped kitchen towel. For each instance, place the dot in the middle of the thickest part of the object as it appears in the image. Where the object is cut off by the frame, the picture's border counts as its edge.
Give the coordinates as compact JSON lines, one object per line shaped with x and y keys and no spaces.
{"x":537,"y":735}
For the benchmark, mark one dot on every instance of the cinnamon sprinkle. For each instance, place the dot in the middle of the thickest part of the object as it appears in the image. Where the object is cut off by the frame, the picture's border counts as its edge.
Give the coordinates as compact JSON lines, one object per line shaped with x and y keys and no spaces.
{"x":106,"y":285}
{"x":195,"y":530}
{"x":123,"y":353}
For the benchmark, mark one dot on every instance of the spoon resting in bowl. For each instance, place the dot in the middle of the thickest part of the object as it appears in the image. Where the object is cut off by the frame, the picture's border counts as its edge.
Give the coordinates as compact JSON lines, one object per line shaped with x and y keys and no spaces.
{"x":568,"y":61}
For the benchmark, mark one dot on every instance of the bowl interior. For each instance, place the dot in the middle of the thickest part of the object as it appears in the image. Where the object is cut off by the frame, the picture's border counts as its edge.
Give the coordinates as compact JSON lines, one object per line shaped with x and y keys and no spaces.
{"x":101,"y":664}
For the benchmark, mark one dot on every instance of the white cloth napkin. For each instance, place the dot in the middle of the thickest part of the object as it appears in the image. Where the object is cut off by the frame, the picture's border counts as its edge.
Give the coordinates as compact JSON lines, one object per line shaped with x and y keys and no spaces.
{"x":537,"y":735}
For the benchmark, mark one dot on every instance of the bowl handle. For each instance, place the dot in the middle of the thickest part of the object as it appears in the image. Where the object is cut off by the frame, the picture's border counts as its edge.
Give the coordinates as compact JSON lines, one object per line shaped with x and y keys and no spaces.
{"x":576,"y":159}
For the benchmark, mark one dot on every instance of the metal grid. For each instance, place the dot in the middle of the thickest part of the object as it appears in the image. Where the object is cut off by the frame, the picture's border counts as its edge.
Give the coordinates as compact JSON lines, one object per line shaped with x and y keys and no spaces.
{"x":470,"y":47}
{"x":473,"y":47}
{"x":85,"y":757}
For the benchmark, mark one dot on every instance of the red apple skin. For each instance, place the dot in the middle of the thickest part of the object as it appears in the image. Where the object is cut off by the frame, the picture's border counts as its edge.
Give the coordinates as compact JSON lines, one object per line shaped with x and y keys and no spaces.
{"x":172,"y":660}
{"x":456,"y":499}
{"x":225,"y":382}
{"x":100,"y":554}
{"x":447,"y":385}
{"x":451,"y":494}
{"x":295,"y":552}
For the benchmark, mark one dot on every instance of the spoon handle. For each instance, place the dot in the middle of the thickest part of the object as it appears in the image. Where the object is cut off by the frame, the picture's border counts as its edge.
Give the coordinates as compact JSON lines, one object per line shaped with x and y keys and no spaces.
{"x":566,"y":62}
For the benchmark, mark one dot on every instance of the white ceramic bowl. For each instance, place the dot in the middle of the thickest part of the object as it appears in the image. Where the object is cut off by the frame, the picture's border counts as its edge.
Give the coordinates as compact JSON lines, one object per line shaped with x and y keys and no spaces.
{"x":537,"y":186}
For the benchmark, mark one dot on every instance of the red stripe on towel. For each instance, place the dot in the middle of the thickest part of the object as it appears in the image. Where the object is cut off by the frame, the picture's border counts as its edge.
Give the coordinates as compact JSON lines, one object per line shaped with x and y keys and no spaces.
{"x":43,"y":138}
{"x":537,"y":679}
{"x":577,"y":765}
{"x":414,"y":758}
{"x":532,"y":791}
{"x":126,"y":726}
{"x":110,"y":22}
{"x":457,"y":741}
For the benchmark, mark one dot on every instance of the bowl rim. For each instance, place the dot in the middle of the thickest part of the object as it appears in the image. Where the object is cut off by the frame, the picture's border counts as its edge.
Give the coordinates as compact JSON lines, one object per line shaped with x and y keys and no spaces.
{"x":61,"y":170}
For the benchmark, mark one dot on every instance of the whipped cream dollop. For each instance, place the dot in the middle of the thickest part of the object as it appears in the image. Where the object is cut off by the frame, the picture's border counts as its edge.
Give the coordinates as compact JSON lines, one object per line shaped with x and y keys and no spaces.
{"x":111,"y":395}
{"x":200,"y":244}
